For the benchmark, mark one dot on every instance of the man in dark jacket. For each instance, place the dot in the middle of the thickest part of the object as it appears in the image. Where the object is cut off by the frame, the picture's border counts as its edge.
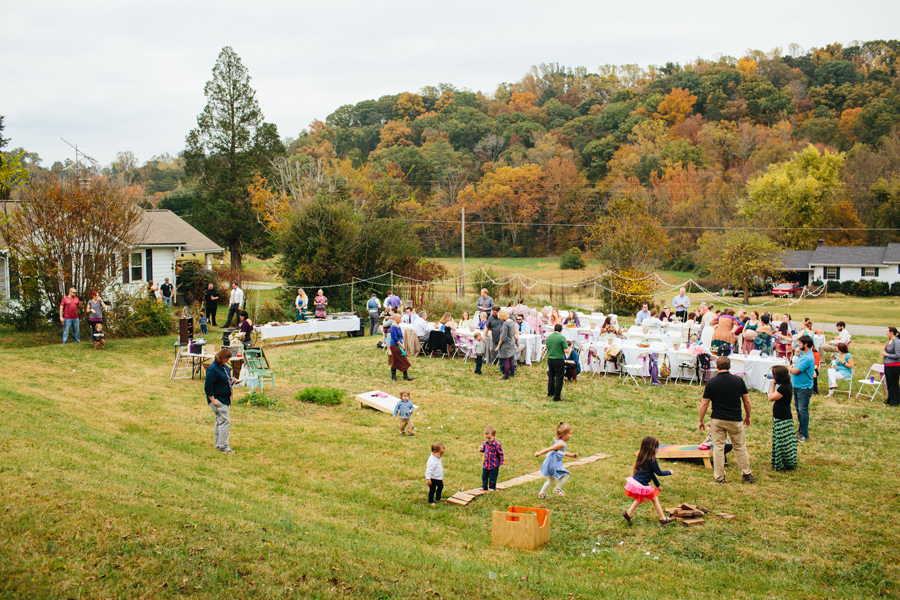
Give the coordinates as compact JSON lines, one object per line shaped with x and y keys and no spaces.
{"x":211,"y":299}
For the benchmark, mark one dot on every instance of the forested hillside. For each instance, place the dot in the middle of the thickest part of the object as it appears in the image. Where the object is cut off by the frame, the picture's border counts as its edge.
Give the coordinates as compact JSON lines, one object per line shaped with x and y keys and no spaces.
{"x":712,"y":143}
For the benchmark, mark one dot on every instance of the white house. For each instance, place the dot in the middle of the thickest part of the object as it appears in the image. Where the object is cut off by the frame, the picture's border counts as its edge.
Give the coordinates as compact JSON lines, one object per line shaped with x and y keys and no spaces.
{"x":4,"y":277}
{"x":166,"y":236}
{"x":843,"y":263}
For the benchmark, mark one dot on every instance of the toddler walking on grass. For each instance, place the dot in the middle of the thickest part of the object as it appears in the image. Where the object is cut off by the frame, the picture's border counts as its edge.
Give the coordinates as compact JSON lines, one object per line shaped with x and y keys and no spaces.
{"x":434,"y":473}
{"x":204,"y":324}
{"x":405,"y":410}
{"x":479,"y":352}
{"x":493,"y":459}
{"x":638,"y":487}
{"x":552,"y":468}
{"x":97,"y":336}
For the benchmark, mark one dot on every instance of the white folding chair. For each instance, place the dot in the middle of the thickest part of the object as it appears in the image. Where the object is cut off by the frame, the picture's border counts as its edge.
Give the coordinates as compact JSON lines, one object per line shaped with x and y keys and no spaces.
{"x":874,"y":379}
{"x":593,"y":357}
{"x":635,"y":369}
{"x":838,"y":390}
{"x":738,"y":366}
{"x":684,"y":361}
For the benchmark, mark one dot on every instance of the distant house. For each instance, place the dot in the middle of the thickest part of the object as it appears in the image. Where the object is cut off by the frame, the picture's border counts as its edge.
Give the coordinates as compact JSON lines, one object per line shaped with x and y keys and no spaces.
{"x":166,"y":236}
{"x":842,"y":263}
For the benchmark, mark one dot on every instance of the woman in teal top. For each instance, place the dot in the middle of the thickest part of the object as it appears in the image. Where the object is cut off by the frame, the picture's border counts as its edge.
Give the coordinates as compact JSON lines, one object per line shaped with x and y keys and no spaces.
{"x":842,"y":369}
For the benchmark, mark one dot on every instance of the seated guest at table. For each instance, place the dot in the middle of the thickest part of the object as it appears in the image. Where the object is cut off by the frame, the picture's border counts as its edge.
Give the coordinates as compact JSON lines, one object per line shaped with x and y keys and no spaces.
{"x":775,"y":321}
{"x":651,"y":321}
{"x":522,"y":325}
{"x":397,"y":359}
{"x":467,"y":322}
{"x":791,"y":324}
{"x":246,"y":327}
{"x":572,"y":319}
{"x":485,"y":302}
{"x":321,"y":303}
{"x":642,"y":314}
{"x":709,"y":315}
{"x":703,"y":308}
{"x":666,"y":315}
{"x":521,"y":309}
{"x":749,"y":332}
{"x":422,"y":327}
{"x":608,"y":326}
{"x":409,"y":316}
{"x":573,"y":363}
{"x":447,"y":322}
{"x":555,"y":318}
{"x":842,"y":337}
{"x":544,"y":316}
{"x":723,"y":334}
{"x":763,"y":339}
{"x":842,"y":367}
{"x":806,"y":328}
{"x":482,"y":321}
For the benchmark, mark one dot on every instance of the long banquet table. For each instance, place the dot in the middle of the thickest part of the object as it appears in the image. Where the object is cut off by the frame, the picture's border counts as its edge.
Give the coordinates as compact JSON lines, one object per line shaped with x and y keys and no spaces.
{"x":314,"y":327}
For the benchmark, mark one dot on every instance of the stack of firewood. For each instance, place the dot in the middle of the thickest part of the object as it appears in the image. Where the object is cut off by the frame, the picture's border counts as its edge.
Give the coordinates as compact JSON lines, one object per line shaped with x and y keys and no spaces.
{"x":688,"y":514}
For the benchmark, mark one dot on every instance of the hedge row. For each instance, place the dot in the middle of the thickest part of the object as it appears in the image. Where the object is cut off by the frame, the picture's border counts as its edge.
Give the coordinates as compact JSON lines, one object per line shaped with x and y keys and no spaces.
{"x":864,"y":287}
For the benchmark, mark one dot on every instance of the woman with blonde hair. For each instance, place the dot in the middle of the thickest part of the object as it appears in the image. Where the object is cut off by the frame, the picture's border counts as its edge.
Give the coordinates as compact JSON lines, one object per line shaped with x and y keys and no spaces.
{"x":555,"y":318}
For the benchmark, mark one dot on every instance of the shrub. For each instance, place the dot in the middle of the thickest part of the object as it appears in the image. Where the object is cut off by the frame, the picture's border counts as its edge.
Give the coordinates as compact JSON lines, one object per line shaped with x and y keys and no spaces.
{"x":193,"y":279}
{"x":895,"y":288}
{"x":132,"y":316}
{"x":571,"y":259}
{"x":630,"y":292}
{"x":326,"y":396}
{"x":28,"y":314}
{"x":258,"y":397}
{"x":269,"y":311}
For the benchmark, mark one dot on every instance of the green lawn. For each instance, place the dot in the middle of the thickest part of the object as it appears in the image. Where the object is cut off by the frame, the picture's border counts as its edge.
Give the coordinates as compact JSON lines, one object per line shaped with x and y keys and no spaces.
{"x":110,"y":487}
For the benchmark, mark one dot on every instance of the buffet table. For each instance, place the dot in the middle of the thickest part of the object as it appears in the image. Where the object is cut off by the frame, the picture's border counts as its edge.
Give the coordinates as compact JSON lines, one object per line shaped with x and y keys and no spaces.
{"x":307,"y":330}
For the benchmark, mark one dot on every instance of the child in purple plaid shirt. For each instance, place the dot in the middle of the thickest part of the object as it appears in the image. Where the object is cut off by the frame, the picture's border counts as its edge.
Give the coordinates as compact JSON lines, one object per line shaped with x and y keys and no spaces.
{"x":493,"y":459}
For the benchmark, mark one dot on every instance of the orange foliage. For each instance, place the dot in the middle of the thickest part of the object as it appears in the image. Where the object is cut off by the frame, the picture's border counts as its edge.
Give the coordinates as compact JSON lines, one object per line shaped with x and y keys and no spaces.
{"x":395,"y":133}
{"x":676,"y":106}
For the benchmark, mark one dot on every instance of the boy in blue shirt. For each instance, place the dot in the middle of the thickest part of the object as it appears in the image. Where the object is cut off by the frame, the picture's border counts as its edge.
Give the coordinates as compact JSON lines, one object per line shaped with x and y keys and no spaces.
{"x":203,"y":324}
{"x":405,"y":410}
{"x":802,"y":373}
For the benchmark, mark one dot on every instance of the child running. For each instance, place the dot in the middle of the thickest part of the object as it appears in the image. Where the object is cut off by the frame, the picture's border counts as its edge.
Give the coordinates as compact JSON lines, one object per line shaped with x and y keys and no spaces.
{"x":434,"y":473}
{"x":638,"y":485}
{"x":493,"y":459}
{"x":552,"y":468}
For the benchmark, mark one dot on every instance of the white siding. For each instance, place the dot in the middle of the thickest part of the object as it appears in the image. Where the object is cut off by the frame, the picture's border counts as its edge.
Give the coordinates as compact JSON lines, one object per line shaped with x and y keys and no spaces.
{"x":888,"y":273}
{"x":4,"y":278}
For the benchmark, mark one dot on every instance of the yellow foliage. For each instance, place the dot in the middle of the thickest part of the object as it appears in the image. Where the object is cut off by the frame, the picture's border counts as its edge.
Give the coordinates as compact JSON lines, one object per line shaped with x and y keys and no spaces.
{"x":272,"y":209}
{"x":676,"y":106}
{"x":395,"y":133}
{"x":409,"y":106}
{"x":747,"y":67}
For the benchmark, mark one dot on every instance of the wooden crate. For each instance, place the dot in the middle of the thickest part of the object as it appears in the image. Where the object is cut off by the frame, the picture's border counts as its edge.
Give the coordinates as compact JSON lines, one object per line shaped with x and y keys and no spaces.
{"x":521,"y":527}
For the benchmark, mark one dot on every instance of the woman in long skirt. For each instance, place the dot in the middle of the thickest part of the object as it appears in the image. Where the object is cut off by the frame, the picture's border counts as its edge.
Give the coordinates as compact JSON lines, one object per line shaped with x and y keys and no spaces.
{"x":397,"y":359}
{"x":784,"y":440}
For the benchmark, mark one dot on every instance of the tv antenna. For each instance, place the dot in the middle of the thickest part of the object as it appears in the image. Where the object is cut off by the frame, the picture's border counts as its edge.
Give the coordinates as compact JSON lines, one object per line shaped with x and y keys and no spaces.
{"x":78,"y":165}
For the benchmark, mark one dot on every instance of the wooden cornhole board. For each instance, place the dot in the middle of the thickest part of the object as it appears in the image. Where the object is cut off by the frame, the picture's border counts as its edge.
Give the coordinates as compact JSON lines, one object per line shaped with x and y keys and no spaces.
{"x":520,"y":527}
{"x":379,"y":401}
{"x":675,"y":451}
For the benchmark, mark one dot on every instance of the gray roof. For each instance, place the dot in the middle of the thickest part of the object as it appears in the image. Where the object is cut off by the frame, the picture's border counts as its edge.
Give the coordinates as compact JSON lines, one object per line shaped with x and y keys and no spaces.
{"x":848,"y":256}
{"x":164,"y":228}
{"x":892,"y":254}
{"x":797,"y":260}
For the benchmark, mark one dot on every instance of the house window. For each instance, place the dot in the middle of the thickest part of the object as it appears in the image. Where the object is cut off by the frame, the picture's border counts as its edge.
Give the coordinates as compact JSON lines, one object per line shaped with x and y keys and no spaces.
{"x":870,"y":272}
{"x":136,"y":271}
{"x":831,"y":272}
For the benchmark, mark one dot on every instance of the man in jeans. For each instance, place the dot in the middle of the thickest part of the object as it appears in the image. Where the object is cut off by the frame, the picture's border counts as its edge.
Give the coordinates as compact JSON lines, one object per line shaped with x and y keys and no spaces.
{"x":68,"y":315}
{"x":802,"y":373}
{"x":166,"y":291}
{"x":234,"y":303}
{"x":373,"y":305}
{"x":727,"y":392}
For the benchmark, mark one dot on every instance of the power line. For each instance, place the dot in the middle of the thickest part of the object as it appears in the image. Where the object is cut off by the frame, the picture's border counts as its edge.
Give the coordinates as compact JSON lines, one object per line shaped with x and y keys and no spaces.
{"x":711,"y":227}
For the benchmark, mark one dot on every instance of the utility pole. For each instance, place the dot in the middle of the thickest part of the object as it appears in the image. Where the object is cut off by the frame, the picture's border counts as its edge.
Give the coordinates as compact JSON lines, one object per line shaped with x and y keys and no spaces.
{"x":462,"y":291}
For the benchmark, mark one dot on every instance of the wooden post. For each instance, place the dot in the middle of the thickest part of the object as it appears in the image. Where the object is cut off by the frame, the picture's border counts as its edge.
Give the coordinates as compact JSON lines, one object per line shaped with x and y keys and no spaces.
{"x":352,"y":279}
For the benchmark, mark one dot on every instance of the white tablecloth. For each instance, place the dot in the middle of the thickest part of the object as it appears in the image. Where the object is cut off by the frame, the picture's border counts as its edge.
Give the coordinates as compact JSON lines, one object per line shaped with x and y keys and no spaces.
{"x":314,"y":327}
{"x":755,"y":367}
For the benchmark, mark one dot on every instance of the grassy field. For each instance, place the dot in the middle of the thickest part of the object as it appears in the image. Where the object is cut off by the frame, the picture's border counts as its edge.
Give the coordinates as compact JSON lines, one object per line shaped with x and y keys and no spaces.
{"x":110,"y":487}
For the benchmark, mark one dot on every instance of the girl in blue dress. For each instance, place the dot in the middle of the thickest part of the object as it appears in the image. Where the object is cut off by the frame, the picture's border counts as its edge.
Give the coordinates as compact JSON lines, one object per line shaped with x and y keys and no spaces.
{"x":552,"y":468}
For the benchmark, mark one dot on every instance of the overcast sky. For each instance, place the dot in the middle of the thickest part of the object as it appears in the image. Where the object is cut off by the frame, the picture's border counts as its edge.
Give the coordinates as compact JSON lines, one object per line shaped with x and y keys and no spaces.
{"x":129,"y":75}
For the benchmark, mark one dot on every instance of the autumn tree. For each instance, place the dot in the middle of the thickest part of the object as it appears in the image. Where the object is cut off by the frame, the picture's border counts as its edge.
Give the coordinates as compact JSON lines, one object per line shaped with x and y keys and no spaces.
{"x":509,"y":195}
{"x":795,"y":196}
{"x":676,"y":106}
{"x":741,"y":257}
{"x":12,"y":172}
{"x":627,"y":237}
{"x":68,"y":234}
{"x":230,"y":144}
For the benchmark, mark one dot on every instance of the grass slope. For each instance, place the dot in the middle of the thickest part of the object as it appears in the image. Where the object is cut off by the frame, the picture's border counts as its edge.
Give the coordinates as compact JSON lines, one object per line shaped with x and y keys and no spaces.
{"x":110,"y":487}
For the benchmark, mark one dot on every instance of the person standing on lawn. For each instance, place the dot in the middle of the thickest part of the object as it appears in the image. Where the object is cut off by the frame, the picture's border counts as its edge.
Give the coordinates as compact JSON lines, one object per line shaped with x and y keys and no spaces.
{"x":556,"y":362}
{"x":234,"y":303}
{"x":374,"y":308}
{"x":727,"y":392}
{"x":803,"y":370}
{"x":211,"y":299}
{"x":68,"y":315}
{"x":218,"y":388}
{"x":681,"y":303}
{"x":166,"y":290}
{"x":891,"y":356}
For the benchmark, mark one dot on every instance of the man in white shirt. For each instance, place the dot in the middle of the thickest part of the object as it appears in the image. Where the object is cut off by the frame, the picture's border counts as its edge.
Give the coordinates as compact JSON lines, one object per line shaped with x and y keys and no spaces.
{"x":422,"y":327}
{"x":651,"y":321}
{"x":842,"y":337}
{"x":409,"y":317}
{"x":522,"y":326}
{"x":644,"y":313}
{"x":234,"y":303}
{"x":681,"y":303}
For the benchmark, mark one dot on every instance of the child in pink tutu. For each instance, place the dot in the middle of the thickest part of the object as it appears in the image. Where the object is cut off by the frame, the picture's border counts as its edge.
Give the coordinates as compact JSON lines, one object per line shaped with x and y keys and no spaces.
{"x":638,"y":486}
